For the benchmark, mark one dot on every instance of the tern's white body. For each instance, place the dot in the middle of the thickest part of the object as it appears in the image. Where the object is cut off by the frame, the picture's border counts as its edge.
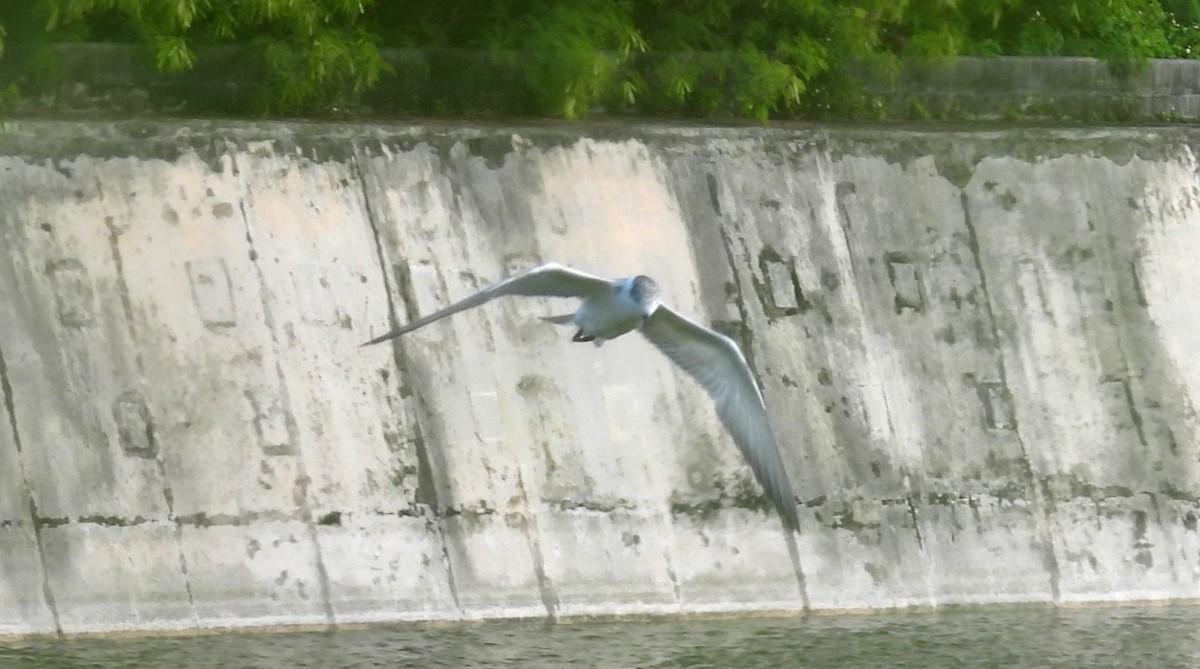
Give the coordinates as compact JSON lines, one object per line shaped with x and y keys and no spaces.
{"x":610,"y":309}
{"x":612,"y":314}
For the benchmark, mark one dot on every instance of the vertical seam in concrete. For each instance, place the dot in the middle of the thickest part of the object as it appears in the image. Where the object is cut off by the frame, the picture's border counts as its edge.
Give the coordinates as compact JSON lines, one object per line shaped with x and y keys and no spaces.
{"x":844,"y":225}
{"x":10,"y":406}
{"x":676,"y":589}
{"x":1041,"y":513}
{"x":744,"y":336}
{"x":1134,"y":414}
{"x":1121,"y":327}
{"x":857,"y":269}
{"x":168,"y":495}
{"x":747,"y":350}
{"x":423,"y":461}
{"x":916,"y":520}
{"x":302,"y":478}
{"x":532,"y":534}
{"x":1156,"y":505}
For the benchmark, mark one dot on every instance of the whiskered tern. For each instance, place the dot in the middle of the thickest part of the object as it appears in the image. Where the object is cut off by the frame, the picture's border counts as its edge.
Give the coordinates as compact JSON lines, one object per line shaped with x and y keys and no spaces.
{"x":611,"y":308}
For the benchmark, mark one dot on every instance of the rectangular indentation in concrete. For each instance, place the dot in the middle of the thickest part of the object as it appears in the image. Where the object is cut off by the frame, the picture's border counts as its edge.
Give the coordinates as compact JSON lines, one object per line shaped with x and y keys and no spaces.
{"x":135,"y":427}
{"x":271,"y":422}
{"x":1031,"y":287}
{"x":779,"y":290}
{"x":212,"y":292}
{"x":876,"y":413}
{"x":489,"y":421}
{"x":779,"y":281}
{"x":907,"y":283}
{"x":72,"y":292}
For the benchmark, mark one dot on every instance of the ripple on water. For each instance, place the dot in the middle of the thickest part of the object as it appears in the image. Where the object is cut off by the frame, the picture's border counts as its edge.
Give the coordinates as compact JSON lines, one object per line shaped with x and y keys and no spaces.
{"x":1160,"y":637}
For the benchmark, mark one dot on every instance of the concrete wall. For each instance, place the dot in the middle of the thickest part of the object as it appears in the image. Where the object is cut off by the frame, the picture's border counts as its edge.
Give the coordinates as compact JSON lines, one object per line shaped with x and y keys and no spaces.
{"x":976,"y":349}
{"x":1056,"y":89}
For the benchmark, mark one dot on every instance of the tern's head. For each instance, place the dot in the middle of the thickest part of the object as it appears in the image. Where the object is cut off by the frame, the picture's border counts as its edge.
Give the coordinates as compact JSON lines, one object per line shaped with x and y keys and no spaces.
{"x":644,"y":292}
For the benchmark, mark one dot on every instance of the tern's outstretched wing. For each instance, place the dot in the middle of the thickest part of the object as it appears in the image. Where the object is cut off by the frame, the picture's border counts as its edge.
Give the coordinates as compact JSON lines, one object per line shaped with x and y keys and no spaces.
{"x":548,"y":280}
{"x":717,"y":364}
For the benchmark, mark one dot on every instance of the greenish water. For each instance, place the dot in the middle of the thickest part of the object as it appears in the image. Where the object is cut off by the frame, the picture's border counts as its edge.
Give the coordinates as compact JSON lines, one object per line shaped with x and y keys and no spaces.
{"x":1155,"y":637}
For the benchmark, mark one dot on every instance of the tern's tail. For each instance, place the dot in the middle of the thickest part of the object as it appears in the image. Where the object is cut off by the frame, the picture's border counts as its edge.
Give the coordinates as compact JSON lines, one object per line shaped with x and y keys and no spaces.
{"x":565,"y":319}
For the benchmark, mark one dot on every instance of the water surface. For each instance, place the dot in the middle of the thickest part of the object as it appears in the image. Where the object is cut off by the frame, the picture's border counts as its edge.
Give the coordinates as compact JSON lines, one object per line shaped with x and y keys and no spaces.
{"x":1154,"y":637}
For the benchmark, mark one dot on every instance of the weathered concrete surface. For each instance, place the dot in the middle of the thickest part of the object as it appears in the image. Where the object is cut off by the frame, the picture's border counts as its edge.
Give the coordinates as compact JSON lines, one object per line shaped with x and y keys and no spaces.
{"x":976,"y":348}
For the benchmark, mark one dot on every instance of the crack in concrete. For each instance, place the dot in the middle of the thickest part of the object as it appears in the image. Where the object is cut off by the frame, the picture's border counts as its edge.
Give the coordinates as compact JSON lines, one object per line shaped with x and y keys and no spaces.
{"x":676,"y":587}
{"x":114,"y":247}
{"x":916,"y":520}
{"x":202,"y":519}
{"x":1038,"y":497}
{"x":9,"y":402}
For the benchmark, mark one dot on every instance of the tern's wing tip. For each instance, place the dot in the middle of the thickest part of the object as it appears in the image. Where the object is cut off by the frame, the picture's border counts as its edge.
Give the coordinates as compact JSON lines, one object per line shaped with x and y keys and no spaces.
{"x":380,"y":339}
{"x":791,"y":521}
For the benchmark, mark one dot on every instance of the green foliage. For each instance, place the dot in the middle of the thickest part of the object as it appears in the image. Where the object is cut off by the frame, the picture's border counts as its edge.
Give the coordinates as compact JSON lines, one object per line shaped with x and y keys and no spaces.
{"x":755,"y":58}
{"x":769,"y":84}
{"x":1184,"y":38}
{"x":316,"y":54}
{"x":24,"y":43}
{"x":577,"y":52}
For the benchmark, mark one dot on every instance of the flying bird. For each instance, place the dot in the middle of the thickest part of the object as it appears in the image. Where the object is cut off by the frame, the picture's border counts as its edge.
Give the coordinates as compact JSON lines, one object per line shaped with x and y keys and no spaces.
{"x":611,"y":308}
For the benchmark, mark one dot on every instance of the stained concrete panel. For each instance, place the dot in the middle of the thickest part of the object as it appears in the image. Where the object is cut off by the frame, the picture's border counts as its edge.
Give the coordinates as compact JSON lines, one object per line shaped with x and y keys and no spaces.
{"x":207,"y":354}
{"x":387,"y":568}
{"x":628,"y":562}
{"x":494,"y":566}
{"x":745,"y":561}
{"x":71,"y":357}
{"x":107,"y":577}
{"x":985,"y":549}
{"x":24,"y":607}
{"x":309,"y":230}
{"x":267,"y":572}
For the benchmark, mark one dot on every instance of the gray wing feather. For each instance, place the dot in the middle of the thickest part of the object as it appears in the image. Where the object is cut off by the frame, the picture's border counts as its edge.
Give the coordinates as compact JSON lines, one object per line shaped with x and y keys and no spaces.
{"x":548,"y":280}
{"x":715,"y":361}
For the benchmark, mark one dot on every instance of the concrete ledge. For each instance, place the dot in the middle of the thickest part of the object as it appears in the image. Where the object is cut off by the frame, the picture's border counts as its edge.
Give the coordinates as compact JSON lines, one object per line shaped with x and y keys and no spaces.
{"x":1061,"y":89}
{"x":119,"y":79}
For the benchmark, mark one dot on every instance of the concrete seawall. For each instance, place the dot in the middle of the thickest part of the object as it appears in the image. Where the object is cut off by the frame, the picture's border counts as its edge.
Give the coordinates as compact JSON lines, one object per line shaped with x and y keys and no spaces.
{"x":976,"y":347}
